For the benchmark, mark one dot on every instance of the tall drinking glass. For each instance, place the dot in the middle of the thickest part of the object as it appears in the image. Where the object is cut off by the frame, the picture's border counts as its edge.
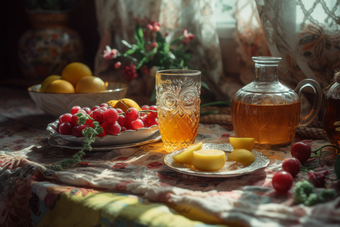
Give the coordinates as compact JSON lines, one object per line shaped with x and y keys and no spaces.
{"x":178,"y":107}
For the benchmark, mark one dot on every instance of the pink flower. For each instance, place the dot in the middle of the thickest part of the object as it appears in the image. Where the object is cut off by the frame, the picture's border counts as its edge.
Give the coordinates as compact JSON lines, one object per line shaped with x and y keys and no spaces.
{"x":318,"y":178}
{"x":118,"y":64}
{"x":186,"y":40}
{"x":191,"y":36}
{"x":166,"y":34}
{"x":153,"y":45}
{"x":110,"y":53}
{"x":150,"y":27}
{"x":155,"y":28}
{"x":185,"y":32}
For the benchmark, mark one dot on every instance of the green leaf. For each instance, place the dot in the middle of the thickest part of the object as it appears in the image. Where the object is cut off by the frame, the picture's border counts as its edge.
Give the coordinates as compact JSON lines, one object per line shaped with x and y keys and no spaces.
{"x":159,"y":38}
{"x":208,"y":112}
{"x":126,"y":43}
{"x":139,"y":35}
{"x":205,"y":85}
{"x":129,"y":52}
{"x":153,"y":96}
{"x":176,"y":40}
{"x":186,"y":57}
{"x":166,"y":48}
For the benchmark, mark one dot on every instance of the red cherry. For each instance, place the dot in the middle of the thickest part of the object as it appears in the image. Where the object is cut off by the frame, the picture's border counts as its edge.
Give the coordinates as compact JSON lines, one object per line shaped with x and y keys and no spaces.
{"x":77,"y":130}
{"x":110,"y":115}
{"x":145,"y":107}
{"x":74,"y":120}
{"x":131,"y":114}
{"x":98,"y":115}
{"x":119,"y":110}
{"x":291,"y":165}
{"x":301,"y":151}
{"x":104,"y":105}
{"x":121,"y":120}
{"x":154,"y":114}
{"x":95,"y":107}
{"x":136,"y":124}
{"x":86,"y":109}
{"x":75,"y":109}
{"x":282,"y":181}
{"x":66,"y":128}
{"x":113,"y":129}
{"x":65,"y":118}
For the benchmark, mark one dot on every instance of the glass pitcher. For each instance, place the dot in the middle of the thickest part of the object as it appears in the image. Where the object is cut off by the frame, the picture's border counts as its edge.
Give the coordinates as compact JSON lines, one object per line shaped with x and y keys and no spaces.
{"x":269,"y":111}
{"x":331,"y":116}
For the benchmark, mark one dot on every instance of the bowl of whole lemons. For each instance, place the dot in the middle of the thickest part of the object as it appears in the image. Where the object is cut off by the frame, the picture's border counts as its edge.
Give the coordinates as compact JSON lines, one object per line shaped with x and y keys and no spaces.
{"x":76,"y":86}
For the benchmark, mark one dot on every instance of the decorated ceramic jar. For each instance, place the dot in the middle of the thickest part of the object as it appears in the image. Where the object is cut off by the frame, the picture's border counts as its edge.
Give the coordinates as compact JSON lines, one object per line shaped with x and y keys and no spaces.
{"x":48,"y":46}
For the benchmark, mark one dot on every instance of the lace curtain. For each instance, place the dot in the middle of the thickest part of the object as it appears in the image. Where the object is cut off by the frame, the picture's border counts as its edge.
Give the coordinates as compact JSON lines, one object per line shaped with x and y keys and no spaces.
{"x":305,"y":33}
{"x":116,"y":21}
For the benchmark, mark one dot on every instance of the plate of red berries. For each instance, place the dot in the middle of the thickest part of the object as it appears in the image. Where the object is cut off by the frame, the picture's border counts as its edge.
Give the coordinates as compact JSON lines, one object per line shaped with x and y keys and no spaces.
{"x":103,"y":125}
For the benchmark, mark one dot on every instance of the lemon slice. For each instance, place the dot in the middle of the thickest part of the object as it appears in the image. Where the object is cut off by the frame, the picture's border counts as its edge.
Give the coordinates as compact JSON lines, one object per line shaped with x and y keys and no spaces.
{"x":242,"y":143}
{"x":243,"y":156}
{"x":186,"y":155}
{"x":208,"y":159}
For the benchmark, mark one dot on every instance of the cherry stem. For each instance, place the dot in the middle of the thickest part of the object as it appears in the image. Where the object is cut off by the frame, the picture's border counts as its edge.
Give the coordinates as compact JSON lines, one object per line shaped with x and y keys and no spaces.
{"x":319,"y":155}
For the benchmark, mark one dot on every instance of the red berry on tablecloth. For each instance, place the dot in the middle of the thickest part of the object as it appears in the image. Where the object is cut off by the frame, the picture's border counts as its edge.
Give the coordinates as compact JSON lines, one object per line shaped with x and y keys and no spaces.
{"x":282,"y":181}
{"x":301,"y":151}
{"x":291,"y":165}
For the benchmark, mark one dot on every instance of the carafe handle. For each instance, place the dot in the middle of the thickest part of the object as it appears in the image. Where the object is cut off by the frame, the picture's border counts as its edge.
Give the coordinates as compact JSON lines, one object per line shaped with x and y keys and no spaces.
{"x":304,"y":121}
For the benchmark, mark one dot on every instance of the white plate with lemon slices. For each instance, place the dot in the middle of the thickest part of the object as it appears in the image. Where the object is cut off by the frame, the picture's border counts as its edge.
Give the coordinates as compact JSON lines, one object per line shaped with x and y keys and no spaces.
{"x":230,"y":168}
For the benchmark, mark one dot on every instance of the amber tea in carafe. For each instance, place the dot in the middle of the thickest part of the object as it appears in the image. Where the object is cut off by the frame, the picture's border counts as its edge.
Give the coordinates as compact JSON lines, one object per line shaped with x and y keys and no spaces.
{"x":268,"y":124}
{"x":269,"y":111}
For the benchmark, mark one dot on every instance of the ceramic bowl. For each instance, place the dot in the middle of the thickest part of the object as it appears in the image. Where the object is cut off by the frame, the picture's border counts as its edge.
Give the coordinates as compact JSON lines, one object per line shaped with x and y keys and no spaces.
{"x":56,"y":104}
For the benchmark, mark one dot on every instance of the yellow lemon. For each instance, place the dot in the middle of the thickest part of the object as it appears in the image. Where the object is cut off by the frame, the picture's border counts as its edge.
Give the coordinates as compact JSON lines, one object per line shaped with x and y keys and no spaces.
{"x":242,"y":143}
{"x":112,"y":103}
{"x":208,"y":159}
{"x":90,"y":84}
{"x":60,"y":86}
{"x":75,"y":71}
{"x":242,"y":155}
{"x":126,"y":103}
{"x":186,"y":155}
{"x":47,"y":81}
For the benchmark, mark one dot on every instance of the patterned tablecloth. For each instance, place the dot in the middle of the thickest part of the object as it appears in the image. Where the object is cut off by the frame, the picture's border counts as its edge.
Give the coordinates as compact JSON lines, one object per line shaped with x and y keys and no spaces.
{"x":133,"y":186}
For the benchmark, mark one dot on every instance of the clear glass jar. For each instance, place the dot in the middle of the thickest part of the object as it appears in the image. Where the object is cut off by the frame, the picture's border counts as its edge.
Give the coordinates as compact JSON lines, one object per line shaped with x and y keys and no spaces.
{"x":269,"y":111}
{"x":332,"y":112}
